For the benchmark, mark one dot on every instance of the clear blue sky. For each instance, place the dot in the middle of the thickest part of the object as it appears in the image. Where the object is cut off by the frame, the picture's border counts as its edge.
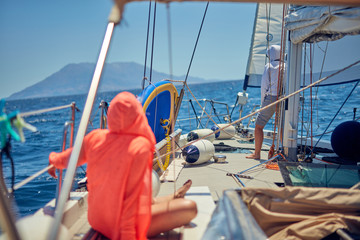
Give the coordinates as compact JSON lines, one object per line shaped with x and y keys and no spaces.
{"x":39,"y":37}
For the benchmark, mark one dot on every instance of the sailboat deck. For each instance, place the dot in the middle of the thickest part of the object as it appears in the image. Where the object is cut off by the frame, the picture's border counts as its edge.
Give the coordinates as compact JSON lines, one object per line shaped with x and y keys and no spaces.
{"x":209,"y":181}
{"x":213,"y":177}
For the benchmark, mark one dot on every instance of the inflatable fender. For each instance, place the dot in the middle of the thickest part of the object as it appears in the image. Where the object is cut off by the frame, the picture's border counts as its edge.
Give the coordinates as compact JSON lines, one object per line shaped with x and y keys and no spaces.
{"x":199,"y":152}
{"x":345,"y":141}
{"x":155,"y":183}
{"x":227,"y":133}
{"x":200,"y":133}
{"x":182,"y":140}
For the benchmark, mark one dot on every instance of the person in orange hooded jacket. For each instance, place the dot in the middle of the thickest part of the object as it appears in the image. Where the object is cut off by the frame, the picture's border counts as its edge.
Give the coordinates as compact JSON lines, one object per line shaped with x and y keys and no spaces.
{"x":120,"y":204}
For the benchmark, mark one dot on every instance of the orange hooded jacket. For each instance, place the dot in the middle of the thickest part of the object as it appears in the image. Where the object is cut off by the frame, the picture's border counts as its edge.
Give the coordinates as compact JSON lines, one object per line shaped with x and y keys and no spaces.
{"x":119,"y":171}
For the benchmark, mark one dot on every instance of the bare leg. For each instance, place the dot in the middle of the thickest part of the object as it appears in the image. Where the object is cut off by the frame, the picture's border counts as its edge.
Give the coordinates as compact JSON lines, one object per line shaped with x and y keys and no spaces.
{"x":180,"y":193}
{"x":259,"y":138}
{"x":171,"y":214}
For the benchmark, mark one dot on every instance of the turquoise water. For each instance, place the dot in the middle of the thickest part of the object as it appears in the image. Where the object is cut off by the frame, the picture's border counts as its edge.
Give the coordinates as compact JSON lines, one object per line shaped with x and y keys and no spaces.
{"x":31,"y":156}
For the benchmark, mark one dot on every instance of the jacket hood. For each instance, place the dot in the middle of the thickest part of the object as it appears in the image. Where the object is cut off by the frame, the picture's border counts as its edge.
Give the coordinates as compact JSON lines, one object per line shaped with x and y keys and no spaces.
{"x":273,"y":52}
{"x":126,"y":115}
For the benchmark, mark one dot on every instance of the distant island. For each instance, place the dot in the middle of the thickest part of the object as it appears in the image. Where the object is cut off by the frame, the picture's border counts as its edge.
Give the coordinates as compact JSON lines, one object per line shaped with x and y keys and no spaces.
{"x":76,"y":79}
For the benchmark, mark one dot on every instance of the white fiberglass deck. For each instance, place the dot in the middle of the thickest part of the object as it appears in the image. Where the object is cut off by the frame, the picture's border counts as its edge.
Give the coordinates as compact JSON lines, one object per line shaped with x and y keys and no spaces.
{"x":209,"y":180}
{"x":212,"y":177}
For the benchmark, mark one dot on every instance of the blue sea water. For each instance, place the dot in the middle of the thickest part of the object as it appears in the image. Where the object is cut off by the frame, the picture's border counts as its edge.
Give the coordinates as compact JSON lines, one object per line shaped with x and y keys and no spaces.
{"x":32,"y":156}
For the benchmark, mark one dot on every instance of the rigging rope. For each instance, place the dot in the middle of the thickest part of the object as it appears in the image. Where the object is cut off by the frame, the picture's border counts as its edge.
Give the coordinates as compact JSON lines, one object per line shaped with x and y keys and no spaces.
{"x":169,"y":40}
{"x":28,"y":179}
{"x":309,"y":134}
{"x":152,"y":44}
{"x":196,"y":116}
{"x":26,"y":114}
{"x":188,"y":71}
{"x":311,"y":107}
{"x":302,"y":107}
{"x":317,"y":88}
{"x":197,"y":40}
{"x":213,"y":107}
{"x":232,"y":110}
{"x":146,"y":46}
{"x":279,"y":86}
{"x":270,"y":105}
{"x":352,"y":90}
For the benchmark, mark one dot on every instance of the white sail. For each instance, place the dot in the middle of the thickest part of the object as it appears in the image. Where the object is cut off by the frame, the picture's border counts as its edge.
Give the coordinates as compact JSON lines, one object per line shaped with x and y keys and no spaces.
{"x":267,"y":31}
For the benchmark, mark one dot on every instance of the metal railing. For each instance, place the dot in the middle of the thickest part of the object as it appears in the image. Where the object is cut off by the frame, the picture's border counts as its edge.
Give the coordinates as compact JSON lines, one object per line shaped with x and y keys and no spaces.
{"x":209,"y":115}
{"x":252,"y":119}
{"x":7,"y":219}
{"x":68,"y":124}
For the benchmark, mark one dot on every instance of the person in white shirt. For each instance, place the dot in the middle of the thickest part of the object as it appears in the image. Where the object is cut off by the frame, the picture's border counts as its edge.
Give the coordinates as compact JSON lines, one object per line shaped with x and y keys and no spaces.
{"x":269,"y":92}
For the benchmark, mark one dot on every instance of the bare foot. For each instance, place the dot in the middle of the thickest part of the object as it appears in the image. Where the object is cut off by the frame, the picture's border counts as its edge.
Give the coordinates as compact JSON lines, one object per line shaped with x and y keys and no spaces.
{"x":253,"y":156}
{"x":180,"y":193}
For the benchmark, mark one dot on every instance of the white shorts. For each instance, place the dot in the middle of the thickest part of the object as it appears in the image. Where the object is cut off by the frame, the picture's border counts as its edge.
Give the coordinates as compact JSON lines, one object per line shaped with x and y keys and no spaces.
{"x":264,"y":116}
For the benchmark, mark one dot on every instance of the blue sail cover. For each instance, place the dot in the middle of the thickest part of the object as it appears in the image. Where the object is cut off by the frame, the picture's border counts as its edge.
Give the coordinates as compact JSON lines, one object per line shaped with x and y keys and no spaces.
{"x":232,"y":220}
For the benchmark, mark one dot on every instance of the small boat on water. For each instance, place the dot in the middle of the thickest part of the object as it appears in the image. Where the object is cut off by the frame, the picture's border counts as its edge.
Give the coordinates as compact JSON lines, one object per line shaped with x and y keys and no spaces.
{"x":237,"y":197}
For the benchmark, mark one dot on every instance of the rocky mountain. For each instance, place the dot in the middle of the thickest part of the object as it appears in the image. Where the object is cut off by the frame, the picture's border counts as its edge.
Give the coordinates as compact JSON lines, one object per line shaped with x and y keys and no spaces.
{"x":76,"y":79}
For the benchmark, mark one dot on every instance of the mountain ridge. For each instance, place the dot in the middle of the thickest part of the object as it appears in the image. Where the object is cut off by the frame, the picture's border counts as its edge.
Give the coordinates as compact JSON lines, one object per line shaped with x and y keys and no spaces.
{"x":75,"y":78}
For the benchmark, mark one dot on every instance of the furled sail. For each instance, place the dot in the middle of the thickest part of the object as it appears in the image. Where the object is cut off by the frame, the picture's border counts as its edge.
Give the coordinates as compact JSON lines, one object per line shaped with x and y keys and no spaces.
{"x":267,"y":31}
{"x":314,"y":24}
{"x":322,"y":23}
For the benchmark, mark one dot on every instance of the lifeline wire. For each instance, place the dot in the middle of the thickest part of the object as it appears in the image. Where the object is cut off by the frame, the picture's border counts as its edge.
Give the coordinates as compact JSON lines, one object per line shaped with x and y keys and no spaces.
{"x":336,"y":114}
{"x":169,"y":40}
{"x":26,"y":114}
{"x":272,"y":104}
{"x":146,"y":46}
{"x":197,"y":40}
{"x":32,"y":177}
{"x":192,"y":57}
{"x":152,"y":44}
{"x":271,"y":159}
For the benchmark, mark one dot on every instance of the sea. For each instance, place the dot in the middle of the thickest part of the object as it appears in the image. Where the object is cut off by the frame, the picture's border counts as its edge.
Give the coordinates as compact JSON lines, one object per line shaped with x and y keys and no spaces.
{"x":31,"y":156}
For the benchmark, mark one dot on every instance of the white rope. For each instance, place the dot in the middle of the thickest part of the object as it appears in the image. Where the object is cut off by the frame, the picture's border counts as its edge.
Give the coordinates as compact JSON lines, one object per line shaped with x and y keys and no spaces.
{"x":268,"y":106}
{"x":27,"y":180}
{"x":26,"y":114}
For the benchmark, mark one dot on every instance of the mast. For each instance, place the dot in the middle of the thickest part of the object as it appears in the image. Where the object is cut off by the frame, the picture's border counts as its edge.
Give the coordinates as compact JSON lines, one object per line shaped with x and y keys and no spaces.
{"x":292,"y":104}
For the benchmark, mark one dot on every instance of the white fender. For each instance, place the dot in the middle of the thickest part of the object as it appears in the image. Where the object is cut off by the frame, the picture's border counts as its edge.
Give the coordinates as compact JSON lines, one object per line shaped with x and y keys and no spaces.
{"x":199,"y":152}
{"x":155,"y":183}
{"x":200,"y":133}
{"x":183,"y":140}
{"x":227,"y":133}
